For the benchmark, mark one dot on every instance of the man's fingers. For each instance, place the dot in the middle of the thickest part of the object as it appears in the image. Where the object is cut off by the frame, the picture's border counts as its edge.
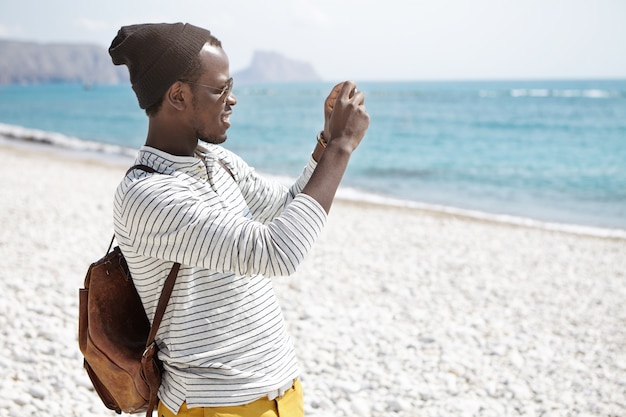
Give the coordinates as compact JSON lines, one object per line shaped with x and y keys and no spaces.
{"x":359,"y":97}
{"x":347,"y":88}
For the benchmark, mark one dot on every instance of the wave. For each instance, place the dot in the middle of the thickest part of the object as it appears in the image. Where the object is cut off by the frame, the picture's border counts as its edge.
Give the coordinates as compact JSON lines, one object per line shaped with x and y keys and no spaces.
{"x":544,"y":92}
{"x":62,"y":141}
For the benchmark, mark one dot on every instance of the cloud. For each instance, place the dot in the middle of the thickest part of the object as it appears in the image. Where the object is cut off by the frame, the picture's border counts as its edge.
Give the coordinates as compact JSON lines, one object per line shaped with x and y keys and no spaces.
{"x":91,"y":25}
{"x":308,"y":11}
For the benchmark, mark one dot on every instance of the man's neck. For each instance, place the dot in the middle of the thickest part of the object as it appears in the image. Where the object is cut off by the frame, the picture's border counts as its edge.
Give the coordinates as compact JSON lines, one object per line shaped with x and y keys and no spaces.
{"x":170,"y":139}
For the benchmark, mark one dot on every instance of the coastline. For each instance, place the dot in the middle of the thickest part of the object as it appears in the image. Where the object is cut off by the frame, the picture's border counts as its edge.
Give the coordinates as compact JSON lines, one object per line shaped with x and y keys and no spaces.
{"x":397,"y":311}
{"x":38,"y":140}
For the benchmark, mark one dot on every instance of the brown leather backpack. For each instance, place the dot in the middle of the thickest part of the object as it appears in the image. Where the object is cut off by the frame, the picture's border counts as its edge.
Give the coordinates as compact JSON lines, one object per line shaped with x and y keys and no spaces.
{"x":115,"y":336}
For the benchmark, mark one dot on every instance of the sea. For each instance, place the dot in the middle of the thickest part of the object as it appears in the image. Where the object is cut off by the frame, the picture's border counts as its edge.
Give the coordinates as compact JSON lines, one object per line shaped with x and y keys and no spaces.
{"x":548,"y":153}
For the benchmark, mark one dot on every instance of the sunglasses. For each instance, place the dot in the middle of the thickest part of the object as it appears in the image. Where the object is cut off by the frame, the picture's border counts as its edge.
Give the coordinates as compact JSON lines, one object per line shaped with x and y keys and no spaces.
{"x":224,"y":91}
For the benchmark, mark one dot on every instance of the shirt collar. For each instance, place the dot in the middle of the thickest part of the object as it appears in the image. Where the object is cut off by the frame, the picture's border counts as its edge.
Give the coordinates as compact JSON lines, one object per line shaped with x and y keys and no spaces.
{"x":166,"y":163}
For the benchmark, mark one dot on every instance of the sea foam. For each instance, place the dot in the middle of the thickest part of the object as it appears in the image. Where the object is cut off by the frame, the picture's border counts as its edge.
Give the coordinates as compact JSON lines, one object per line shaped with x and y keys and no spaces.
{"x":60,"y":140}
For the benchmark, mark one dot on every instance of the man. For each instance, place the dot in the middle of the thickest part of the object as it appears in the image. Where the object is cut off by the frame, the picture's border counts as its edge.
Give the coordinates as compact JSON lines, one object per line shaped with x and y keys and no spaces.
{"x":222,"y":340}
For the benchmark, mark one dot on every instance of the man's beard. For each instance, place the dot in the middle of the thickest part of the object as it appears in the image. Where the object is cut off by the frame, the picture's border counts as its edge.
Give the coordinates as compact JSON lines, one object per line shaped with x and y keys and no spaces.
{"x":214,"y":139}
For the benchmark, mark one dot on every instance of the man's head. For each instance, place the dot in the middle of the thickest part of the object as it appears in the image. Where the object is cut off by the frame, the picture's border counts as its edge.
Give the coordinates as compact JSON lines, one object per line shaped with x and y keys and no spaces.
{"x":181,"y":77}
{"x":157,"y":55}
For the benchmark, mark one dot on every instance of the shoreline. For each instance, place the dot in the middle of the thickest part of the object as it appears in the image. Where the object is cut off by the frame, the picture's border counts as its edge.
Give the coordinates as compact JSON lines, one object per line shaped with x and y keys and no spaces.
{"x":74,"y":148}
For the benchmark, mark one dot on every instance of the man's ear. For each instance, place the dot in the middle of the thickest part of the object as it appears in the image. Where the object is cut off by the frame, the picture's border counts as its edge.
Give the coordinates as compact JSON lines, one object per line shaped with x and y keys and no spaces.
{"x":178,"y":96}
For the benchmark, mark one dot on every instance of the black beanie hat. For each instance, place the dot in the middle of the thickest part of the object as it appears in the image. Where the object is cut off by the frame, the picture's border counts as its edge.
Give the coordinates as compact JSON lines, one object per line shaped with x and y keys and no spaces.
{"x":156,"y":55}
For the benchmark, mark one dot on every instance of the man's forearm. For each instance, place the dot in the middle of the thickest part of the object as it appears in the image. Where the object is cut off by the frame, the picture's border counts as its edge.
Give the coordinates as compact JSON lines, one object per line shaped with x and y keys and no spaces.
{"x":325,"y":180}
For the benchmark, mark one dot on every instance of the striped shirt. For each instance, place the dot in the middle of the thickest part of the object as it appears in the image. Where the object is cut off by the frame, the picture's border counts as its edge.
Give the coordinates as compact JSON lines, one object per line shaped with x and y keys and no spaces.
{"x":222,"y":339}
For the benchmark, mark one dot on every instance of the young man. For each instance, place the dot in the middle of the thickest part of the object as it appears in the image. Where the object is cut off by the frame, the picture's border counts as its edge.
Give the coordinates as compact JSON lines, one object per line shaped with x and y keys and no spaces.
{"x":222,"y":340}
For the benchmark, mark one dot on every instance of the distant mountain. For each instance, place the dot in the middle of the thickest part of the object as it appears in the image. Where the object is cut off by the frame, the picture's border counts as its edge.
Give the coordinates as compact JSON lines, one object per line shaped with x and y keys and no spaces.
{"x":35,"y":63}
{"x":272,"y":67}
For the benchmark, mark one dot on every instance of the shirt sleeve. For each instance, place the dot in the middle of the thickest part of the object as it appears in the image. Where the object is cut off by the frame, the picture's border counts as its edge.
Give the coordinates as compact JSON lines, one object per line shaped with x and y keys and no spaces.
{"x":160,"y":217}
{"x":265,"y":198}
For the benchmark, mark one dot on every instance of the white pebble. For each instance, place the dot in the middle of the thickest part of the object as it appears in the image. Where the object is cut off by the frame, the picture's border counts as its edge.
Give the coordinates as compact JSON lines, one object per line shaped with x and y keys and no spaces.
{"x":397,"y":405}
{"x":37,"y":392}
{"x":360,"y":408}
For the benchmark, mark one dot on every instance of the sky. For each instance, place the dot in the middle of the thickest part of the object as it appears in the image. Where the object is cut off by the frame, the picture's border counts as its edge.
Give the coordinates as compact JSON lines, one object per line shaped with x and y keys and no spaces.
{"x":366,"y":40}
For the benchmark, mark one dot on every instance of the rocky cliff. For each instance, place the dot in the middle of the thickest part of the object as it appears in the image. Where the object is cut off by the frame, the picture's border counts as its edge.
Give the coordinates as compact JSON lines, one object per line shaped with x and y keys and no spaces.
{"x":272,"y":67}
{"x":36,"y":63}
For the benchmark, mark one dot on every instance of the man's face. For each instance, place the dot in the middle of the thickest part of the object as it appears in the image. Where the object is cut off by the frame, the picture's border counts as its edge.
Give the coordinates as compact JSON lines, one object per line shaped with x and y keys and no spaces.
{"x":210,"y":110}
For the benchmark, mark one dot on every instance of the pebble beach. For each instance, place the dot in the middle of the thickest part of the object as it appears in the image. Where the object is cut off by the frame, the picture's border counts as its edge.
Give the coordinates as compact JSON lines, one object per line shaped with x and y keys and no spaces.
{"x":396,"y":312}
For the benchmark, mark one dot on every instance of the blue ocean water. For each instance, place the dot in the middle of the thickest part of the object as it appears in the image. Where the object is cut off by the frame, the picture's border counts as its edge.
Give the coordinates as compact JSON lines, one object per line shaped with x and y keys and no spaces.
{"x":552,"y":151}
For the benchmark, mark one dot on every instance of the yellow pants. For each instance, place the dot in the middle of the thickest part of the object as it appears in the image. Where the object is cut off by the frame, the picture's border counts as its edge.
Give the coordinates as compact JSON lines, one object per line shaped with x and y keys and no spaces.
{"x":289,"y":405}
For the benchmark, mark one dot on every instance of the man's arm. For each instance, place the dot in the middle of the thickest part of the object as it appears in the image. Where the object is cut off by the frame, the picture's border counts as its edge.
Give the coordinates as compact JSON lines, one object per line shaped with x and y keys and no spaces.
{"x":345,"y":123}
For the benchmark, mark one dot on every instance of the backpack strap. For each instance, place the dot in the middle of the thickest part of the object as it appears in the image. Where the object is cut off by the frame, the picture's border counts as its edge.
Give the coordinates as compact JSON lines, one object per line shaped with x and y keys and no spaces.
{"x":165,"y":295}
{"x":226,"y":168}
{"x":141,"y":167}
{"x":156,"y":322}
